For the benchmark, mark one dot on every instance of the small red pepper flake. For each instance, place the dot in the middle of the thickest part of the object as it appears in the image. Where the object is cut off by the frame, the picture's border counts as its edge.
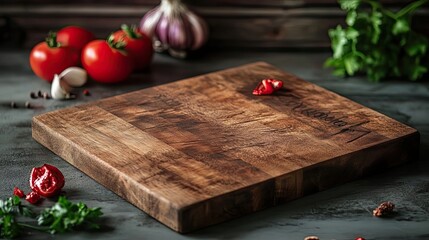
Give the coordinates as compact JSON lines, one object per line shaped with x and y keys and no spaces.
{"x":360,"y":238}
{"x":33,"y":198}
{"x":267,"y":87}
{"x":18,"y":192}
{"x":86,"y":92}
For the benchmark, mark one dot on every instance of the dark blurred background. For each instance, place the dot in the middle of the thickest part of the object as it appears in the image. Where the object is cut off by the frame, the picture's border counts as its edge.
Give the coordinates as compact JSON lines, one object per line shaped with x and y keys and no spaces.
{"x":233,"y":23}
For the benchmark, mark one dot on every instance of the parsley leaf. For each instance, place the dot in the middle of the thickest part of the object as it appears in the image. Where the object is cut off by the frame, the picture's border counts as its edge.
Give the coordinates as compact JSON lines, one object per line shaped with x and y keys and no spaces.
{"x":349,"y":4}
{"x":400,"y":26}
{"x":351,"y":18}
{"x":339,"y":40}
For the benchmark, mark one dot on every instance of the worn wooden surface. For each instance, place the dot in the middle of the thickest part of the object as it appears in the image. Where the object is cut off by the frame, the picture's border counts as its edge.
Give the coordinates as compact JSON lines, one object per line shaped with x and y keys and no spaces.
{"x":343,"y":212}
{"x":204,"y":150}
{"x":251,"y":24}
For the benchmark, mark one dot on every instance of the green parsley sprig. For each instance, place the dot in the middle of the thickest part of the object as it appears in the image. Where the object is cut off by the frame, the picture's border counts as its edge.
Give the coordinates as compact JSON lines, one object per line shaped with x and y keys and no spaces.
{"x":378,"y":42}
{"x":9,"y":209}
{"x":65,"y":215}
{"x":62,"y":217}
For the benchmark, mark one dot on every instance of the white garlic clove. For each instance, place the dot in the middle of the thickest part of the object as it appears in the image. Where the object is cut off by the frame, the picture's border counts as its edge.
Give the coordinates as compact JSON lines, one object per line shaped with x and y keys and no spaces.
{"x":57,"y":92}
{"x":74,"y":76}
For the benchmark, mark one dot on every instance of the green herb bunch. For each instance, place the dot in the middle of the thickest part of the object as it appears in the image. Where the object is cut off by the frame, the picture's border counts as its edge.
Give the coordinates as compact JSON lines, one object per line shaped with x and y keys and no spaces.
{"x":378,"y":42}
{"x":9,"y":209}
{"x":64,"y":216}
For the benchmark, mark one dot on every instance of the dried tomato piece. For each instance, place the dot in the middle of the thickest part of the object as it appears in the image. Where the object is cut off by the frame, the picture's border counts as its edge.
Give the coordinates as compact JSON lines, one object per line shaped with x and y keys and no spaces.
{"x":18,"y":192}
{"x":46,"y":180}
{"x":32,"y":198}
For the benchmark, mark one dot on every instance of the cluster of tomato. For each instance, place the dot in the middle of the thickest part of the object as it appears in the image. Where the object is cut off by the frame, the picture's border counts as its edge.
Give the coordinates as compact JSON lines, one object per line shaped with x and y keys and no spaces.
{"x":106,"y":61}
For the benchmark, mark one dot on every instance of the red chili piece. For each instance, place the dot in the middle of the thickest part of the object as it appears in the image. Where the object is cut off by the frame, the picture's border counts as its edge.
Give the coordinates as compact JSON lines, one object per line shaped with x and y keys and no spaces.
{"x":277,"y":84}
{"x":46,"y":180}
{"x":360,"y":238}
{"x":267,"y":87}
{"x":32,"y":198}
{"x":18,"y":192}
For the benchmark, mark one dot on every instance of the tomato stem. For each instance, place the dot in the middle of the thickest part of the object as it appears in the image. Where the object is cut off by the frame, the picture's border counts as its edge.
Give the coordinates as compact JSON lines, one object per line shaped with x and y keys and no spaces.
{"x":51,"y":40}
{"x":131,"y":31}
{"x":119,"y":44}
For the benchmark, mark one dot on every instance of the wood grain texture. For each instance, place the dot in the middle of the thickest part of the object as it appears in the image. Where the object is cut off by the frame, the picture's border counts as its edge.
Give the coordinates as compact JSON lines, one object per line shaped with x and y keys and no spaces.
{"x":204,"y":150}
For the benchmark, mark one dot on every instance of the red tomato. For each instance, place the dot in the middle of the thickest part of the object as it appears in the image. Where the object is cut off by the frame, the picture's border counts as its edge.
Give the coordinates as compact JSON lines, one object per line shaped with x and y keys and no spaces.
{"x":46,"y":180}
{"x":48,"y":58}
{"x":105,"y":62}
{"x":75,"y":37}
{"x":138,"y":45}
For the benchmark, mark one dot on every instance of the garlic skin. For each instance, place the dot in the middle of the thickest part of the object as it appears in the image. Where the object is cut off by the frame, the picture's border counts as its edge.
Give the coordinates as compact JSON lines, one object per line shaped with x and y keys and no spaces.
{"x":63,"y":84}
{"x":175,"y":28}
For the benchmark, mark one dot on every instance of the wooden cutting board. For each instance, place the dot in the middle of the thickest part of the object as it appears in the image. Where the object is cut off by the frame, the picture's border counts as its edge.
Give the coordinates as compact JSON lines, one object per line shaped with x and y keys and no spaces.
{"x":203,"y":150}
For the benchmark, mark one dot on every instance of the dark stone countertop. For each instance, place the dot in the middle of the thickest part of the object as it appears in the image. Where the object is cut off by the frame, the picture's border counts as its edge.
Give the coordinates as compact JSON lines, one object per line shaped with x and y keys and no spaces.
{"x":342,"y":212}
